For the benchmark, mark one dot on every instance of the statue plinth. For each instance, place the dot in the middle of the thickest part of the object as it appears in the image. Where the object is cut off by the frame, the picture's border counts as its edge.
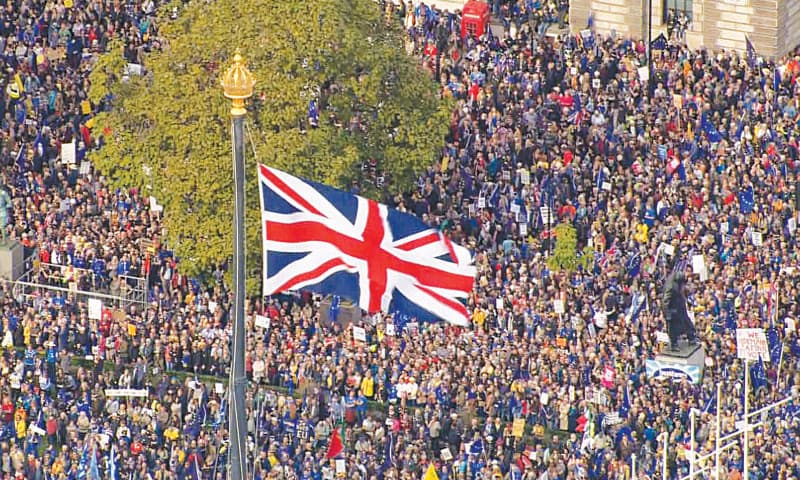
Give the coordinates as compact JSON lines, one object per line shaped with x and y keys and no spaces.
{"x":687,"y":362}
{"x":12,"y":260}
{"x":349,"y":313}
{"x":685,"y":354}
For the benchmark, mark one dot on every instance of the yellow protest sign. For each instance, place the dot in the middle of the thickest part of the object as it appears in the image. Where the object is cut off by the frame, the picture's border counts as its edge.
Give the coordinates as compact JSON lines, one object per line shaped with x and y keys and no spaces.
{"x":518,"y":428}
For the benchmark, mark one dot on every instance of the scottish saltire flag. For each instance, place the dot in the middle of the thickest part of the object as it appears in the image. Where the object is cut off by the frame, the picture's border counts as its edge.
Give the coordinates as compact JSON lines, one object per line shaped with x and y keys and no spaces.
{"x":113,"y":473}
{"x":711,"y":404}
{"x":388,"y":454}
{"x":324,"y":240}
{"x":94,"y":471}
{"x":82,"y":464}
{"x":758,"y":375}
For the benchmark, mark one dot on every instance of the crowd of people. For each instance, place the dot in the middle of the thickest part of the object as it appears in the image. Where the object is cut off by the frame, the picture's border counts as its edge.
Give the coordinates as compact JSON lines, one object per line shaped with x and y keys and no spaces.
{"x":547,"y":131}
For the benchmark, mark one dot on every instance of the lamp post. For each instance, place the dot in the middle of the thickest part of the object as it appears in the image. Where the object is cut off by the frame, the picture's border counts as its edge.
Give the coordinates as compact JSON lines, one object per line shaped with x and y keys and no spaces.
{"x":238,"y":83}
{"x":650,"y":49}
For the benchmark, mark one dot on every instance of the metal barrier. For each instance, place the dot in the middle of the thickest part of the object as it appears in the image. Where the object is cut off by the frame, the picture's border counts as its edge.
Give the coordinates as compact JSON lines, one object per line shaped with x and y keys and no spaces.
{"x":39,"y":277}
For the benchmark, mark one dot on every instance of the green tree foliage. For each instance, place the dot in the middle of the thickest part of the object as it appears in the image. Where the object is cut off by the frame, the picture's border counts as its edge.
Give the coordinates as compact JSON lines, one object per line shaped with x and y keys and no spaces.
{"x":169,"y":131}
{"x":565,"y":255}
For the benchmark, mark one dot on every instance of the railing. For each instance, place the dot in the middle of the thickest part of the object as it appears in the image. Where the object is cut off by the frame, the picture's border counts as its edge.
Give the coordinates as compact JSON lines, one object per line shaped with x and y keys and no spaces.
{"x":79,"y":284}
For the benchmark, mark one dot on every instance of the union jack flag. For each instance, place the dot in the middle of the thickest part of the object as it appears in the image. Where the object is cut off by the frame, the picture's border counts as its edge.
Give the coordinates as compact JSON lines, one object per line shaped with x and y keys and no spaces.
{"x":327,"y":241}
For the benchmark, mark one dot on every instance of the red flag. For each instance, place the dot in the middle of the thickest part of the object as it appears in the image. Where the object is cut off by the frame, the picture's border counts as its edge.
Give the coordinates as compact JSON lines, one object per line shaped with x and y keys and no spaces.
{"x":336,"y":447}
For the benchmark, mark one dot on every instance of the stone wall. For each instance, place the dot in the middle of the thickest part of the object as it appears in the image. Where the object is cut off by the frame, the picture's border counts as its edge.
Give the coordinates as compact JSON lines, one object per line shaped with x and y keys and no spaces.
{"x":772,"y":25}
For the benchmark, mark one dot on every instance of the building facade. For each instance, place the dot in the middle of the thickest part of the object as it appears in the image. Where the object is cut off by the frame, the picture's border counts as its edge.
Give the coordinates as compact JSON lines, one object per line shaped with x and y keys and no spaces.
{"x":773,"y":26}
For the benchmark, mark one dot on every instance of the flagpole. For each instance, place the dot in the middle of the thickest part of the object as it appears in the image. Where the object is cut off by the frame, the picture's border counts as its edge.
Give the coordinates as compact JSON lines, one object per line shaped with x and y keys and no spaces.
{"x":238,"y":84}
{"x":664,"y":468}
{"x":691,"y":443}
{"x":719,"y":431}
{"x":650,"y":49}
{"x":746,"y":448}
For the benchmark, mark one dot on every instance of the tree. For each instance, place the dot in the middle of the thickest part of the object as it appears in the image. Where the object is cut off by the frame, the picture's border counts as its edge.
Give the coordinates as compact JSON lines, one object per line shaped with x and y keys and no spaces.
{"x":565,"y":255}
{"x":169,"y":130}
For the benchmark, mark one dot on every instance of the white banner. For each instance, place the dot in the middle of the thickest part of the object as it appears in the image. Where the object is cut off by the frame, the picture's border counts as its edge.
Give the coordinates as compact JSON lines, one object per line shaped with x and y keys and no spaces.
{"x":558,"y":306}
{"x":262,"y":322}
{"x":751,"y":343}
{"x":95,"y":309}
{"x":126,"y":392}
{"x":359,"y":334}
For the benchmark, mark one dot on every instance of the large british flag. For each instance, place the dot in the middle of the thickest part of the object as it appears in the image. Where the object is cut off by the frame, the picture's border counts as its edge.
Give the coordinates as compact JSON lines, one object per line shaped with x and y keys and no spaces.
{"x":324,"y":240}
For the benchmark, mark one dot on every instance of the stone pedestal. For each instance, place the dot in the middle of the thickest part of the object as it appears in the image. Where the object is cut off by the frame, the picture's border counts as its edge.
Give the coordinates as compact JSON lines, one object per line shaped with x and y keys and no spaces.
{"x":686,"y":363}
{"x":349,"y":313}
{"x":12,"y":260}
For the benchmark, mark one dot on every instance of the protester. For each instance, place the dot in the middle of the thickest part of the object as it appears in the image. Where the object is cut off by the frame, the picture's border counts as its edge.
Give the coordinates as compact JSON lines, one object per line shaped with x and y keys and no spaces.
{"x":545,"y":131}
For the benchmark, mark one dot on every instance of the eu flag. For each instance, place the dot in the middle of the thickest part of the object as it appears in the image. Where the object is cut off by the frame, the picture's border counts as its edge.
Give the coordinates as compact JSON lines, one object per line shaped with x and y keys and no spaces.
{"x":775,"y":345}
{"x":751,"y":52}
{"x":625,"y":408}
{"x":313,"y":113}
{"x":634,"y":266}
{"x":747,"y":200}
{"x":659,"y":43}
{"x":711,"y":131}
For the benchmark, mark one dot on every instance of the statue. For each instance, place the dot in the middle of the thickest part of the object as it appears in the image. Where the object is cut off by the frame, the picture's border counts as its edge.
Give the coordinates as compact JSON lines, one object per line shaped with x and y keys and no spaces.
{"x":673,"y":303}
{"x":5,"y":204}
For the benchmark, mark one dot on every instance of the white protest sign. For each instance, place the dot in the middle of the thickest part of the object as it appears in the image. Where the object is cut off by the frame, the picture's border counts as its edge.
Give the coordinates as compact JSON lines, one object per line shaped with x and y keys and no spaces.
{"x":515,"y":207}
{"x":644,"y":73}
{"x":525,"y":177}
{"x":134,"y":69}
{"x":667,"y":249}
{"x":606,"y":186}
{"x":523,"y":229}
{"x":699,"y":267}
{"x":126,"y":392}
{"x":95,"y":309}
{"x":68,"y":153}
{"x":154,"y":206}
{"x":662,"y":337}
{"x":340,"y":466}
{"x":558,"y":306}
{"x":792,"y":225}
{"x":757,"y":238}
{"x":219,"y":388}
{"x":446,"y":455}
{"x":359,"y":334}
{"x":390,"y":330}
{"x":481,"y":201}
{"x":751,"y":343}
{"x":262,"y":321}
{"x":547,"y":216}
